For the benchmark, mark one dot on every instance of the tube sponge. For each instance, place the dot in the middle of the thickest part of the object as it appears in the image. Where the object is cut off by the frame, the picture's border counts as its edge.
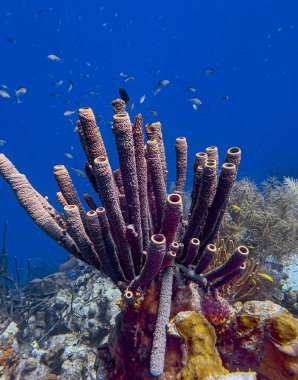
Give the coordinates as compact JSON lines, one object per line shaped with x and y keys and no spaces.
{"x":153,"y":262}
{"x":159,"y":339}
{"x":172,"y":217}
{"x":233,"y":263}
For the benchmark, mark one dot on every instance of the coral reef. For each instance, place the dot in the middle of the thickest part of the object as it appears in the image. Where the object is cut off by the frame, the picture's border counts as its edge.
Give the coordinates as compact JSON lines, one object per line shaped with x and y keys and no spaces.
{"x":61,"y":336}
{"x":162,"y":264}
{"x":199,"y":337}
{"x":265,"y":219}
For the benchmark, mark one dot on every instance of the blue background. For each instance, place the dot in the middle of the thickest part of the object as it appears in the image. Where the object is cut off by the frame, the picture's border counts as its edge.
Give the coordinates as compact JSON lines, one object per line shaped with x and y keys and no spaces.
{"x":251,"y":45}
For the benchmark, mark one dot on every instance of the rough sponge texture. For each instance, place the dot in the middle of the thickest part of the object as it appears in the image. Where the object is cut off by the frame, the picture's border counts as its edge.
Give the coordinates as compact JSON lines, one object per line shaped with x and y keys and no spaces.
{"x":283,"y":328}
{"x":199,"y":336}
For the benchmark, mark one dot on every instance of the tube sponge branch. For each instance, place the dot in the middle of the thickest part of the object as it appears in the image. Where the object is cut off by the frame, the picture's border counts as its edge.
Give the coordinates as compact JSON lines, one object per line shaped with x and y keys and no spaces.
{"x":134,"y":231}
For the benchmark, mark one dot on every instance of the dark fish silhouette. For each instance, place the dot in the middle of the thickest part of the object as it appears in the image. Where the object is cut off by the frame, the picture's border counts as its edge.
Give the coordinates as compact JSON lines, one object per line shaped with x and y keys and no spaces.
{"x":124,"y":95}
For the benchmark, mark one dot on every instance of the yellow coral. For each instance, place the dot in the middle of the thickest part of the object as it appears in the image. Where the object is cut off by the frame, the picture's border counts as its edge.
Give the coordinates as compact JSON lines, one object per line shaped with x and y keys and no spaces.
{"x":199,"y":337}
{"x":283,"y":327}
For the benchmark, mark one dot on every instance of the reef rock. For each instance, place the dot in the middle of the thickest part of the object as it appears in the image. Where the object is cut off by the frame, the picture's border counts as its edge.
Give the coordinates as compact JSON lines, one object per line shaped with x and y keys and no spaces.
{"x":258,"y":332}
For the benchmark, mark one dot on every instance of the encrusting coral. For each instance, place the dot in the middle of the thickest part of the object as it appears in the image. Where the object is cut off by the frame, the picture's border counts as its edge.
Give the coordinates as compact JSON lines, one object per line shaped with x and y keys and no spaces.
{"x":137,"y":237}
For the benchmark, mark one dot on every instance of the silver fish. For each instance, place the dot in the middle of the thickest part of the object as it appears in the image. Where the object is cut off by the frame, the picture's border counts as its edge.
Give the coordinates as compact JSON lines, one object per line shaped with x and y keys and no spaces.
{"x":54,"y":57}
{"x":68,"y":112}
{"x":163,"y":82}
{"x":4,"y":94}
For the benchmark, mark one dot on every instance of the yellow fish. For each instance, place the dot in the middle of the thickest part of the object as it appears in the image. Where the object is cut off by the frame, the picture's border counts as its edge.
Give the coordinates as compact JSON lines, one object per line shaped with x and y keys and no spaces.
{"x":236,"y":207}
{"x":264,"y":275}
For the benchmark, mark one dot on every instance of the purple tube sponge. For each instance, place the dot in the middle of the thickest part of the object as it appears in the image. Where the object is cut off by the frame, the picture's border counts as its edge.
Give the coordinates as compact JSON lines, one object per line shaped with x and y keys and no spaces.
{"x":156,"y":174}
{"x":68,"y":190}
{"x":141,"y":165}
{"x":229,"y":277}
{"x":29,"y":199}
{"x":181,"y":164}
{"x":92,"y":136}
{"x":172,"y":217}
{"x":169,"y":259}
{"x":153,"y":262}
{"x":111,"y":268}
{"x":212,"y":153}
{"x":160,"y":335}
{"x":225,"y":183}
{"x":76,"y":230}
{"x":119,"y":106}
{"x":90,"y":201}
{"x":233,"y":156}
{"x":109,"y":243}
{"x":204,"y":201}
{"x":206,"y":258}
{"x":122,"y":130}
{"x":108,"y":191}
{"x":233,"y":263}
{"x":154,"y":132}
{"x":192,"y":251}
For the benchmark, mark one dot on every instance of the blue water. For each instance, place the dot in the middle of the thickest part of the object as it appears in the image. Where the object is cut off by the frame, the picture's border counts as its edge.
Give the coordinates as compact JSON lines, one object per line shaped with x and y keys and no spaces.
{"x":252,"y":47}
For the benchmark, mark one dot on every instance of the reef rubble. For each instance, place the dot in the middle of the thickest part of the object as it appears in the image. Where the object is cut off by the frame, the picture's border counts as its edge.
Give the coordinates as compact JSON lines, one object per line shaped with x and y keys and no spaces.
{"x":175,"y":286}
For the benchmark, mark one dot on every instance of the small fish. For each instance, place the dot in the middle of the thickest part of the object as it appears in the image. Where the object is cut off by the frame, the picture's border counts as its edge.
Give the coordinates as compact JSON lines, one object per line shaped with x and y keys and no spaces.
{"x":54,"y":94}
{"x":142,"y":99}
{"x":209,"y":71}
{"x":79,"y":172}
{"x":4,"y":94}
{"x":225,"y":97}
{"x":132,"y":107}
{"x":195,"y":101}
{"x":54,"y":58}
{"x":157,"y":91}
{"x":122,"y":75}
{"x":235,"y":207}
{"x":68,"y":112}
{"x":191,"y":89}
{"x":153,"y":112}
{"x":85,"y":75}
{"x":3,"y":86}
{"x":68,"y":155}
{"x":129,"y":78}
{"x":2,"y":142}
{"x":163,"y":82}
{"x":264,"y":275}
{"x":70,"y":86}
{"x":250,"y":247}
{"x":194,"y":106}
{"x":124,"y":95}
{"x":11,"y":40}
{"x":21,"y":91}
{"x":92,"y":93}
{"x":58,"y":83}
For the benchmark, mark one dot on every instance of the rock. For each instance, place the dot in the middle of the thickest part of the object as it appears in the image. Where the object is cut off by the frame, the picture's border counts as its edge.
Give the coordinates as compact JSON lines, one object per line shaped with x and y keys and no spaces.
{"x":283,"y":327}
{"x":280,"y":362}
{"x":9,"y":349}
